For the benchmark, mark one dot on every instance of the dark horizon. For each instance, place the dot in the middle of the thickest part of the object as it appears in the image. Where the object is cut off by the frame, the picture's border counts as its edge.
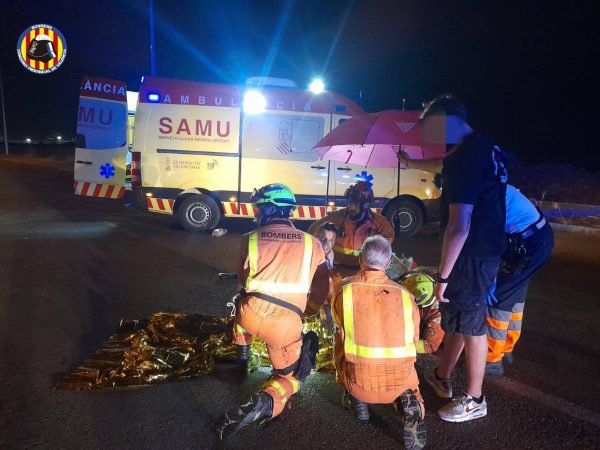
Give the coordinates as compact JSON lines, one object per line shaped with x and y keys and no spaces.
{"x":524,"y":70}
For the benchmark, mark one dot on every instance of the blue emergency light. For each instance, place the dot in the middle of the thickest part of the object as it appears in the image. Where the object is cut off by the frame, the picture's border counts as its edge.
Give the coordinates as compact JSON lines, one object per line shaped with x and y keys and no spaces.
{"x":153,"y":97}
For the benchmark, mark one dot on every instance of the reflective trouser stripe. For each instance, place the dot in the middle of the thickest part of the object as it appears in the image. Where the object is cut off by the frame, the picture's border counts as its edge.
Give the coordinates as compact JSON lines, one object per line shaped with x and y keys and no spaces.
{"x":514,"y":328}
{"x":281,"y":388}
{"x":240,"y":335}
{"x":497,"y":325}
{"x":269,"y":287}
{"x":421,"y":346}
{"x":504,"y":330}
{"x":353,"y":350}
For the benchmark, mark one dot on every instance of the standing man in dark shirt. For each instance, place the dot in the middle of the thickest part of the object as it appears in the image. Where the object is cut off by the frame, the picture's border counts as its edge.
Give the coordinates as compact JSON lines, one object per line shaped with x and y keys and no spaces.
{"x":472,"y":220}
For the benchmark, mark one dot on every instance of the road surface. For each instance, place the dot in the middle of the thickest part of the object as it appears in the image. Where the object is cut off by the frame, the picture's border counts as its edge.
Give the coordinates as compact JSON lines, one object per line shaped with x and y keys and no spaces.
{"x":71,"y":268}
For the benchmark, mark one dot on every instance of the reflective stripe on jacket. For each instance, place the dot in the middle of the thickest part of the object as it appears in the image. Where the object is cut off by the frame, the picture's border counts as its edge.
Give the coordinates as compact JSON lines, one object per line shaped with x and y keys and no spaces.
{"x":378,"y":320}
{"x":280,"y":261}
{"x":264,"y":284}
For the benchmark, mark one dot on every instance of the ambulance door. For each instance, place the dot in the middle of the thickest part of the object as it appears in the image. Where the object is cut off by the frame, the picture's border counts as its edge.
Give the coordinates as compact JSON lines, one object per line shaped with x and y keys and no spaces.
{"x":101,"y":152}
{"x":277,"y":147}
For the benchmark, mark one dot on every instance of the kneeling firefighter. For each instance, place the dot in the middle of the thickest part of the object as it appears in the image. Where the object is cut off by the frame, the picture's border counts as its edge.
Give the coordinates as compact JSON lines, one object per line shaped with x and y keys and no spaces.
{"x":279,"y":267}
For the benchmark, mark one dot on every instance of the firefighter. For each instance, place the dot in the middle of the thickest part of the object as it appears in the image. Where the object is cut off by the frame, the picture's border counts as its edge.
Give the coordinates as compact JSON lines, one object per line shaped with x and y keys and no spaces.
{"x":375,"y":345}
{"x":279,"y":266}
{"x":355,"y":224}
{"x":420,"y":283}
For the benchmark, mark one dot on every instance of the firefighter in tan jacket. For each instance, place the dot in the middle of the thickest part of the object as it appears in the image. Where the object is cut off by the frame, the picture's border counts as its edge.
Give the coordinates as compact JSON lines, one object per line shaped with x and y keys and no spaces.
{"x":354,"y":225}
{"x":280,"y":267}
{"x":375,"y":345}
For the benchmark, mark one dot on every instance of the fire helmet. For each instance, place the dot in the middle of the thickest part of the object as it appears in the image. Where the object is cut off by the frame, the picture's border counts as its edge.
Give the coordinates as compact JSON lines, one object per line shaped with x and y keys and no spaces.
{"x":278,"y":195}
{"x":360,"y":192}
{"x":420,"y":284}
{"x":41,"y":48}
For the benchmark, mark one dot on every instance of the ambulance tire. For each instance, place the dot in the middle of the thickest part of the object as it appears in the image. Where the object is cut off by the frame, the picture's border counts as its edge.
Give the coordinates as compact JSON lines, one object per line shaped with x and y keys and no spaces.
{"x":411,"y":217}
{"x":198,"y":213}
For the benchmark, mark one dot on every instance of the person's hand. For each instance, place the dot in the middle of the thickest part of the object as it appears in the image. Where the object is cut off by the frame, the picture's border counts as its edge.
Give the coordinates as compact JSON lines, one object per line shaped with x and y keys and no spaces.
{"x":438,"y":290}
{"x":403,"y":157}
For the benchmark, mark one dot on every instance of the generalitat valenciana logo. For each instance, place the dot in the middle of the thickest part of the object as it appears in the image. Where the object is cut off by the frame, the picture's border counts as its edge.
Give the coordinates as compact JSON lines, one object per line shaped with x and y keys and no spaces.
{"x":42,"y":48}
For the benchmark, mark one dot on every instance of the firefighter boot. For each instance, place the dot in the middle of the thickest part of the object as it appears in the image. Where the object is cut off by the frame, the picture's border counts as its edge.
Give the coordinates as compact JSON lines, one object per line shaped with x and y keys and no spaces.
{"x":258,"y":406}
{"x":409,"y":406}
{"x":356,"y":406}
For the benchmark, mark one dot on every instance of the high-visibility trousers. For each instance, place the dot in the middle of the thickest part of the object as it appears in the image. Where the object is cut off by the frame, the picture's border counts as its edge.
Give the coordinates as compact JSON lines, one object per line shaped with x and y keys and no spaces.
{"x":283,"y":338}
{"x":504,"y":330}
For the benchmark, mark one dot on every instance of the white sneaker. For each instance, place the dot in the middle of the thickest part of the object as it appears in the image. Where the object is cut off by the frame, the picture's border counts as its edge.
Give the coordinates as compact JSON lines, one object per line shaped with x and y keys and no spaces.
{"x":443,"y":388}
{"x":462,"y":409}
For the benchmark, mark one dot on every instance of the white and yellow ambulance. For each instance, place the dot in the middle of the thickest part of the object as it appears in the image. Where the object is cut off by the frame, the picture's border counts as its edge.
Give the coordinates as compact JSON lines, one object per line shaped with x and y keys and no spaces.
{"x":200,"y":149}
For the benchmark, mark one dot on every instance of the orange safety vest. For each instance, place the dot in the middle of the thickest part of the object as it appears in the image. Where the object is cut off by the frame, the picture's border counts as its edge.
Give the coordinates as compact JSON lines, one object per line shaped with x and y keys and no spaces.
{"x":280,"y":262}
{"x":347,"y":247}
{"x":378,"y":320}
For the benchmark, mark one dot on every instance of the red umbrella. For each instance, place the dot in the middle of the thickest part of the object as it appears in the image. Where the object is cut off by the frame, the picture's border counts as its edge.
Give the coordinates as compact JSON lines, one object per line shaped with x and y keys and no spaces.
{"x":373,"y":140}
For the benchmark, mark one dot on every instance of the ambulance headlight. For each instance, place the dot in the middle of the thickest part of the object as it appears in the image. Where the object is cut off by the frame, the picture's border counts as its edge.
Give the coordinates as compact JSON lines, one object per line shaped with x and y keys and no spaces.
{"x":153,"y":97}
{"x":317,"y":86}
{"x":254,"y":102}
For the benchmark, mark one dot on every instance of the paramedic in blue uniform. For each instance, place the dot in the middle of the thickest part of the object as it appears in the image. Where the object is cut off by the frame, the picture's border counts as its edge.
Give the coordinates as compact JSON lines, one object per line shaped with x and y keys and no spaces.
{"x":529,"y":244}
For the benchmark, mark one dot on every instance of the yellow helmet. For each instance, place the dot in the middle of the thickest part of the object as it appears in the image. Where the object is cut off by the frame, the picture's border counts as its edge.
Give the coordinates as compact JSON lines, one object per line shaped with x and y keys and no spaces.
{"x":420,"y":284}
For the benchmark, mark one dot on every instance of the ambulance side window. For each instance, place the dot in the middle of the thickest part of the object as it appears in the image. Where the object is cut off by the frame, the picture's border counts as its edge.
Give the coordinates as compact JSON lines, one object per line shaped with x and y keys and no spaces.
{"x":283,"y":137}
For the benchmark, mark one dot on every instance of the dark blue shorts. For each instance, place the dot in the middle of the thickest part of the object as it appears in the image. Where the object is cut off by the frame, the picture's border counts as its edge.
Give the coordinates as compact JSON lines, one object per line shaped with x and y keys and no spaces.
{"x":469,"y":283}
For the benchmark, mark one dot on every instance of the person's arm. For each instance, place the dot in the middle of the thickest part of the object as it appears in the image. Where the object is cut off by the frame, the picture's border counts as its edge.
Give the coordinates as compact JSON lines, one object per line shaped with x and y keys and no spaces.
{"x":319,"y":290}
{"x":314,"y":228}
{"x":433,"y":333}
{"x":433,"y":165}
{"x":385,"y":229}
{"x":243,"y":268}
{"x":457,"y":230}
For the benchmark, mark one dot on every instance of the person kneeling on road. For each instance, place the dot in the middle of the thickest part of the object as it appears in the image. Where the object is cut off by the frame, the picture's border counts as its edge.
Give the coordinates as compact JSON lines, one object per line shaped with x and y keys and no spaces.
{"x":279,"y":266}
{"x":375,"y":342}
{"x":420,"y":283}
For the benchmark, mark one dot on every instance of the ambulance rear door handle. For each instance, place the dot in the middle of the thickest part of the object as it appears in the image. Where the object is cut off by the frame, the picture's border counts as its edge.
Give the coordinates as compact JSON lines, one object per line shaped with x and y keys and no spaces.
{"x":318,"y":167}
{"x":87,"y":163}
{"x":345,"y":169}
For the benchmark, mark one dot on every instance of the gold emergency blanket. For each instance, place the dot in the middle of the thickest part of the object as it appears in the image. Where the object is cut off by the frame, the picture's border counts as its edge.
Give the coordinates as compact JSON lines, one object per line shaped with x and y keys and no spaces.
{"x":173,"y":346}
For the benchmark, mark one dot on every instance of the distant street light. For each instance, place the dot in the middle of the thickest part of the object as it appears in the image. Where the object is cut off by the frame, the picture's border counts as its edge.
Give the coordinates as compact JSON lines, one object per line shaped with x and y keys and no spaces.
{"x":58,"y":138}
{"x":28,"y":140}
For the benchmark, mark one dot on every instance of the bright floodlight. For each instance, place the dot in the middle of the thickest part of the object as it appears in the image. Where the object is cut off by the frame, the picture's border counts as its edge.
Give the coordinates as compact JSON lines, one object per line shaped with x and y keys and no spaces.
{"x":28,"y":140}
{"x":254,"y":102}
{"x":317,"y":86}
{"x":59,"y":137}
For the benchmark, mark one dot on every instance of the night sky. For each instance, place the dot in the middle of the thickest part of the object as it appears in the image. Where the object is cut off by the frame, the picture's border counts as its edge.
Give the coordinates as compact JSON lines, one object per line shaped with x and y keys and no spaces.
{"x":524,"y":69}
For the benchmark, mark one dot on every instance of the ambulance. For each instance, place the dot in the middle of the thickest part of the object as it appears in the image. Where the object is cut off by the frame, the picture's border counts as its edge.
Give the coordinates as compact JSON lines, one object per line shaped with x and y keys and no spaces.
{"x":200,"y":149}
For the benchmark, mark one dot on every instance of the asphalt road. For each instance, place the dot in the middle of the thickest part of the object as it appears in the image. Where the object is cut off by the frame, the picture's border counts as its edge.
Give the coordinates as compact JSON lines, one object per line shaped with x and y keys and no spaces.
{"x":72,"y":267}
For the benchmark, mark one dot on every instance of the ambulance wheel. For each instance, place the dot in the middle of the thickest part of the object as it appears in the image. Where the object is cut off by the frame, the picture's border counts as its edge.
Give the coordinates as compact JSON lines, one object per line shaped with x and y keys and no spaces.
{"x":409,"y":215}
{"x":198,"y":213}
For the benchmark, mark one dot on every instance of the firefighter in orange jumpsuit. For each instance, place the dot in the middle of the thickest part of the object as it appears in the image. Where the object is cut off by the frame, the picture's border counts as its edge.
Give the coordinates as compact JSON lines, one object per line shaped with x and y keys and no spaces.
{"x":355,"y":224}
{"x":279,"y":267}
{"x":375,"y":345}
{"x":420,"y":283}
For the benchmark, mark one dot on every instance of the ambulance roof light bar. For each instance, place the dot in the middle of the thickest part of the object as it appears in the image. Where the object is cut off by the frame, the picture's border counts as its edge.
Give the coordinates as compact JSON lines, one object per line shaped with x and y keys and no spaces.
{"x":270,"y":81}
{"x":153,"y":97}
